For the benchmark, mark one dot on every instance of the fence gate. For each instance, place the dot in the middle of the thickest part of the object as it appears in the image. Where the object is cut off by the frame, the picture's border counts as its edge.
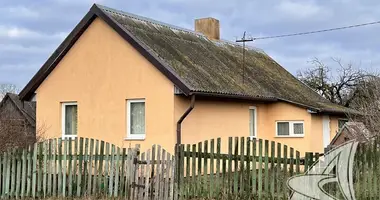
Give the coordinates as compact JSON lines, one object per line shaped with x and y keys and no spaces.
{"x":154,"y":175}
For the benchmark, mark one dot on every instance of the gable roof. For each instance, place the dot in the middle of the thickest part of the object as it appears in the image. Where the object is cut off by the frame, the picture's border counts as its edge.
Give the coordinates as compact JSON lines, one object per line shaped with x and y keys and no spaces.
{"x":195,"y":64}
{"x":26,"y":108}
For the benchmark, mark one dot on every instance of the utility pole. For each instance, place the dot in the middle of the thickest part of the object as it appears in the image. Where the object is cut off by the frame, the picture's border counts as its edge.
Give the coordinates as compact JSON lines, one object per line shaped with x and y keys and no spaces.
{"x":243,"y":40}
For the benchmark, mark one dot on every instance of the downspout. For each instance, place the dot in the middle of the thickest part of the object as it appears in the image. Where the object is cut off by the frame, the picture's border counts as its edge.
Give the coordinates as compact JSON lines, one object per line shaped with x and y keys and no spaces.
{"x":179,"y":122}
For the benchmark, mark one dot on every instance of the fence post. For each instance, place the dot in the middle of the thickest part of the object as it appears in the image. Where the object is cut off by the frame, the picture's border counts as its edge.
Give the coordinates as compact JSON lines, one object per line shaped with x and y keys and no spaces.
{"x":34,"y":171}
{"x":177,"y":171}
{"x":205,"y":154}
{"x":136,"y":153}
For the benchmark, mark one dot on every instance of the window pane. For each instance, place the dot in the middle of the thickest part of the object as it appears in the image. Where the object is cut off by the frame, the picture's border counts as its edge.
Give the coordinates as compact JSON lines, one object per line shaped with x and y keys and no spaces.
{"x":283,"y":128}
{"x":252,"y":124}
{"x":298,"y":128}
{"x":137,"y":118}
{"x":71,"y":120}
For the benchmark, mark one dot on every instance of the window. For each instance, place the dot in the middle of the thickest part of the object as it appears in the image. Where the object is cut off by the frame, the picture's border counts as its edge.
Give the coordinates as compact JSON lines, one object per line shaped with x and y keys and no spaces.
{"x":283,"y":128}
{"x":69,"y":120}
{"x":252,"y":122}
{"x":290,"y":129}
{"x":341,"y":123}
{"x":136,"y":119}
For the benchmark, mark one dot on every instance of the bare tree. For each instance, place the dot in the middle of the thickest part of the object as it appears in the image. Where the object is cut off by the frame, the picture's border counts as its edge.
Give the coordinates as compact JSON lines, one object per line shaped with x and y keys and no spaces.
{"x":18,"y":133}
{"x":348,"y":86}
{"x":335,"y":86}
{"x":7,"y":87}
{"x":366,"y":99}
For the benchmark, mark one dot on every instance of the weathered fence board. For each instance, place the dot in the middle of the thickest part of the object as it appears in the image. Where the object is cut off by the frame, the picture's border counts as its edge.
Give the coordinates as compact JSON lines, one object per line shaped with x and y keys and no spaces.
{"x":250,"y":169}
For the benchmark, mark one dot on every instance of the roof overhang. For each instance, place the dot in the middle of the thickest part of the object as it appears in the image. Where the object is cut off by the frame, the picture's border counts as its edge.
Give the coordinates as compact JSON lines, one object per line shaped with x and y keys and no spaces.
{"x":233,"y":96}
{"x":70,"y":40}
{"x":310,"y":109}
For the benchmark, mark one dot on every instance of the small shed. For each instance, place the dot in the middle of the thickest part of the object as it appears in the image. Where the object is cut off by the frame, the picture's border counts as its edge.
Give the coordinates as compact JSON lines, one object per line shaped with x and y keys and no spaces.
{"x":17,"y":122}
{"x":350,"y":131}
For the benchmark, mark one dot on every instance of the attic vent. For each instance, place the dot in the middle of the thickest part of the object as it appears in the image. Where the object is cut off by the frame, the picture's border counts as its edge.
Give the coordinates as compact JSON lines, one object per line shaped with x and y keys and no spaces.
{"x":177,"y":90}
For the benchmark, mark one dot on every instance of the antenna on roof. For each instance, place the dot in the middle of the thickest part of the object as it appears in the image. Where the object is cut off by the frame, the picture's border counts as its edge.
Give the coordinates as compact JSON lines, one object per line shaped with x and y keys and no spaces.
{"x":243,"y":40}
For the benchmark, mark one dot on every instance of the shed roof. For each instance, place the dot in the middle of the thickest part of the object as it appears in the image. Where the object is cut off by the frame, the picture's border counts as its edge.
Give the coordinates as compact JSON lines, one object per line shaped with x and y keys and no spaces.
{"x":351,"y":131}
{"x":27,"y":108}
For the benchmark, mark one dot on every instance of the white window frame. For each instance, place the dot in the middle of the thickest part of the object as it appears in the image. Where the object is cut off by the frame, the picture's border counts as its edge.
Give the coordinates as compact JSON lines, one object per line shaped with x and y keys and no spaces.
{"x":63,"y":120}
{"x":291,"y":129}
{"x":254,"y":108}
{"x":129,"y":135}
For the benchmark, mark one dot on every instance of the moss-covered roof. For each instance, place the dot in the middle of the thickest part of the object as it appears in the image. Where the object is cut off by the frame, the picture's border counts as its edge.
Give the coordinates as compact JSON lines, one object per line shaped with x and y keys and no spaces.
{"x":216,"y":66}
{"x":195,"y":64}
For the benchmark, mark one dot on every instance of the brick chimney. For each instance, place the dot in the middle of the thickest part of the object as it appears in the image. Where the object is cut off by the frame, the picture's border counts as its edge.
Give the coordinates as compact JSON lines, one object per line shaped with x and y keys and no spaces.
{"x":209,"y":27}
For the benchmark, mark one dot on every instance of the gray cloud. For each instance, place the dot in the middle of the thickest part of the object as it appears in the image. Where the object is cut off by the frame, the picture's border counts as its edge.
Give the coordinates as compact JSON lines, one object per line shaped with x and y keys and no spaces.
{"x":31,"y":30}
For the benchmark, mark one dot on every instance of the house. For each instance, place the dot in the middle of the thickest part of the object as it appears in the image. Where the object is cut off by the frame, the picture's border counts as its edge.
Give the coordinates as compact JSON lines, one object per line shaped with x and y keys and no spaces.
{"x":128,"y":79}
{"x":351,"y":131}
{"x":17,"y":121}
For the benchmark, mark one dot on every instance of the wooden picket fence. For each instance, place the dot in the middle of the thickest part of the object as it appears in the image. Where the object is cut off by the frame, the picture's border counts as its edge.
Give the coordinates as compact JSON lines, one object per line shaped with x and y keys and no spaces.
{"x":259,"y":169}
{"x":366,"y":172}
{"x":246,"y":169}
{"x":251,"y":169}
{"x":85,"y":167}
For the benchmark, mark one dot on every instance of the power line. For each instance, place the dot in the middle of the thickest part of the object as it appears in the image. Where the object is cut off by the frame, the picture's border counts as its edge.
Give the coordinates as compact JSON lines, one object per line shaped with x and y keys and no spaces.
{"x":313,"y":32}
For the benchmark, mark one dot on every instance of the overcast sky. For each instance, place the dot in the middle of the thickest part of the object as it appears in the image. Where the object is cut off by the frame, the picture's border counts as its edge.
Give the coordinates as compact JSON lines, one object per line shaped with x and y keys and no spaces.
{"x":31,"y":30}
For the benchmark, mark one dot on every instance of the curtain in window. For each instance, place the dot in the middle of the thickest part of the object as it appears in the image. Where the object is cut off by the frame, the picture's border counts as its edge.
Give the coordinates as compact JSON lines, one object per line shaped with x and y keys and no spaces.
{"x":252,"y":122}
{"x":283,"y":128}
{"x":298,"y":128}
{"x":71,"y":120}
{"x":138,"y":118}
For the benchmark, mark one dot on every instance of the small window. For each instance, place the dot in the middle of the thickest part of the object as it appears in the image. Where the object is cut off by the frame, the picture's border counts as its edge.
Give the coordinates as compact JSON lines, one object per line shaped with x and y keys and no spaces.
{"x":341,"y":123}
{"x":290,"y":129}
{"x":298,"y":128}
{"x":136,"y":119}
{"x":69,"y":120}
{"x":283,"y":128}
{"x":252,"y":122}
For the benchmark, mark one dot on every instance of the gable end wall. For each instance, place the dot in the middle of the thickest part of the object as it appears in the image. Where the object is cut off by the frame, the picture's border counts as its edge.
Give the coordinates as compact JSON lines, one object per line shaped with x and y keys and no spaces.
{"x":100,"y":72}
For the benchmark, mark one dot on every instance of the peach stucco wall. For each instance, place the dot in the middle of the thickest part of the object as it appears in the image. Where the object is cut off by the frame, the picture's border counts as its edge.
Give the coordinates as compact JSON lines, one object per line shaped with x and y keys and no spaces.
{"x":213,"y":119}
{"x":100,"y":72}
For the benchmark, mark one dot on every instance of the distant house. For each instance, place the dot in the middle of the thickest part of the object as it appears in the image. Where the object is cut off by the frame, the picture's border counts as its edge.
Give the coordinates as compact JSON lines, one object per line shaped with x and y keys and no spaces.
{"x":351,"y":131}
{"x":128,"y":79}
{"x":17,"y":120}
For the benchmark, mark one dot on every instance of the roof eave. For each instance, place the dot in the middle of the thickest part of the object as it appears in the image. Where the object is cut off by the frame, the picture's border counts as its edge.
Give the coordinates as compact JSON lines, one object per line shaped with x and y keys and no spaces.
{"x":337,"y":112}
{"x":28,"y":91}
{"x":144,"y":50}
{"x":233,"y":96}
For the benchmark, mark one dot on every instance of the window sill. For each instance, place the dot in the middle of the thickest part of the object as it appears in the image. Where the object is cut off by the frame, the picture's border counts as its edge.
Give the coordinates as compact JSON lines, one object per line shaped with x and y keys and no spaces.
{"x":67,"y":137}
{"x":290,"y":136}
{"x":134,"y":138}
